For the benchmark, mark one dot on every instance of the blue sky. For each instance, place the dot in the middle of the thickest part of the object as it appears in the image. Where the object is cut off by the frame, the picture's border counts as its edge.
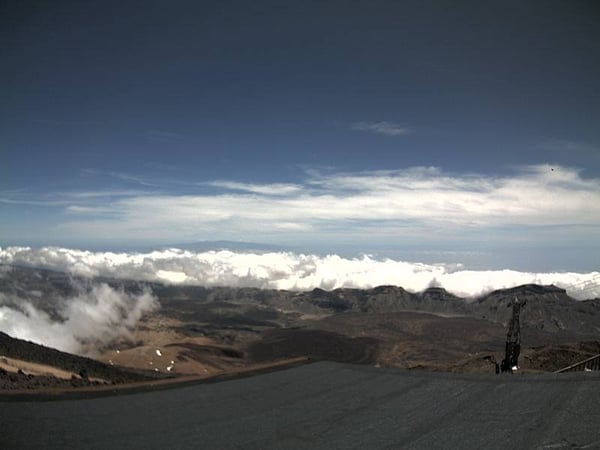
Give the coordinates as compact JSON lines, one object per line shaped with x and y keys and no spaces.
{"x":435,"y":131}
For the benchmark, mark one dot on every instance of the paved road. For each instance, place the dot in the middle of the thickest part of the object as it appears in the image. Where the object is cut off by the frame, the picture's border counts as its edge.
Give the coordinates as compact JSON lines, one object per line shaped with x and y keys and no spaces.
{"x":324,"y":406}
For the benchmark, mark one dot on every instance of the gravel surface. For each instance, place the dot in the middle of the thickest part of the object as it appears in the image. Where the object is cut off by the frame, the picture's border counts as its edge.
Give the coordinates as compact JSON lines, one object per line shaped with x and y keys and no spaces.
{"x":325,"y":406}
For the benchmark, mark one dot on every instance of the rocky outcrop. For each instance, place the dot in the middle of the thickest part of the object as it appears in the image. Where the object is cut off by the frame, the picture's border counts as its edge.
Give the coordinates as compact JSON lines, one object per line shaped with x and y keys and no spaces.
{"x":547,"y":308}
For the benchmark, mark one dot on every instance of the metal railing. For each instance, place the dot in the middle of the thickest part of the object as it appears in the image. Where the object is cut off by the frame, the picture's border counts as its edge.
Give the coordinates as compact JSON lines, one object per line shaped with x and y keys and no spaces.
{"x":592,"y":363}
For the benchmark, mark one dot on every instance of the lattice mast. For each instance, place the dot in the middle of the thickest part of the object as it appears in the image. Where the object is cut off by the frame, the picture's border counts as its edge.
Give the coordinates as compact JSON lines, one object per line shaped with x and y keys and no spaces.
{"x":510,"y":363}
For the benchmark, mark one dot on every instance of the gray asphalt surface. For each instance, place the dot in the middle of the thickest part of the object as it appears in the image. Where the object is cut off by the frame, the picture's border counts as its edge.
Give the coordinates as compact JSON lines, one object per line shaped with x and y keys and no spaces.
{"x":324,"y":406}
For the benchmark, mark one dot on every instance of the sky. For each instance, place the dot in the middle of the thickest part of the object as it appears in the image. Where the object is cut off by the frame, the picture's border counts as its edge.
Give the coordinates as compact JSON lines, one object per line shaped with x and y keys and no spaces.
{"x":430,"y":131}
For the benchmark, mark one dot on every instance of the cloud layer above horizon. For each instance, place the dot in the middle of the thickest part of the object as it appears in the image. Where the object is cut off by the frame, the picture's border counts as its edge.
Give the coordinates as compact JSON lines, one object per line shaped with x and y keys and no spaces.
{"x":553,"y":211}
{"x":418,"y":202}
{"x":289,"y":271}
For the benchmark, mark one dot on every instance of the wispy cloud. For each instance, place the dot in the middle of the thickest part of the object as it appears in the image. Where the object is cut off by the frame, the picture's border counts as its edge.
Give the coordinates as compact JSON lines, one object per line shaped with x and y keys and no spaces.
{"x":98,"y":210}
{"x":102,"y":194}
{"x":22,"y":201}
{"x":420,"y":204}
{"x":383,"y":127}
{"x":131,"y":178}
{"x":27,"y":198}
{"x":407,"y":201}
{"x":265,"y":189}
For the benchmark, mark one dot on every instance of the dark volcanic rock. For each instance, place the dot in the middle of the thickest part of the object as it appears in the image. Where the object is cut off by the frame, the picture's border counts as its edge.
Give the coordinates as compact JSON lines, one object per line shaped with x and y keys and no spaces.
{"x":331,"y":300}
{"x":547,"y":308}
{"x":28,"y":351}
{"x":316,"y":344}
{"x":384,"y":324}
{"x":438,"y":300}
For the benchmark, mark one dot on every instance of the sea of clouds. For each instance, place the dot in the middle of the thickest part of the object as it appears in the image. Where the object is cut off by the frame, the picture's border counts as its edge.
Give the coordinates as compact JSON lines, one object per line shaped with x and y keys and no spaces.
{"x":97,"y":314}
{"x":290,"y":271}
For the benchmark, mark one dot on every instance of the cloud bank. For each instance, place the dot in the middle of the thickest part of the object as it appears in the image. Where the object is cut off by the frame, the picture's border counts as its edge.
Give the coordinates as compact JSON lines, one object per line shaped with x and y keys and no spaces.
{"x":88,"y":321}
{"x":552,"y":208}
{"x":333,"y":206}
{"x":290,"y":271}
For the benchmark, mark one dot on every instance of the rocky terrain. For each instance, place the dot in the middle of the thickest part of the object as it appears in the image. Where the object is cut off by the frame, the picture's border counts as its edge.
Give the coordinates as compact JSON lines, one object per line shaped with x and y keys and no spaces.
{"x":25,"y":365}
{"x":207,"y":331}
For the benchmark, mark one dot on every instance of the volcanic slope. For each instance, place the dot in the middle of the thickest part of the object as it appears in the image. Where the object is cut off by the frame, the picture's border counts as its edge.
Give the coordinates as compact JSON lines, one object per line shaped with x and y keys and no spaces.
{"x":26,"y":365}
{"x":203,"y":330}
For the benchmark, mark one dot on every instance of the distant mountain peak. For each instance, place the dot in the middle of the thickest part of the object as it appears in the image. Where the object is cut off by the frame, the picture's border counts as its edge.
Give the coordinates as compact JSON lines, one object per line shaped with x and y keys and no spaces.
{"x":536,"y":289}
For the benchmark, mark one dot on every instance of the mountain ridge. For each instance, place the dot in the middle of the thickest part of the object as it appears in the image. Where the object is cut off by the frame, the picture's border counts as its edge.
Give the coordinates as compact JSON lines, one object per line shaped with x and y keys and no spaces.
{"x":548,"y":307}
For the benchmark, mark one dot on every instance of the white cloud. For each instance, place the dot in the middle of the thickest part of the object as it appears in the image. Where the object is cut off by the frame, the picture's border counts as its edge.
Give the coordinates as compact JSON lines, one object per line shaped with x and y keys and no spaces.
{"x":17,"y":201}
{"x":90,"y":319}
{"x":424,"y":197}
{"x":265,"y":189}
{"x":102,"y":194}
{"x":383,"y":127}
{"x":538,"y":203}
{"x":131,"y":178}
{"x":284,"y":270}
